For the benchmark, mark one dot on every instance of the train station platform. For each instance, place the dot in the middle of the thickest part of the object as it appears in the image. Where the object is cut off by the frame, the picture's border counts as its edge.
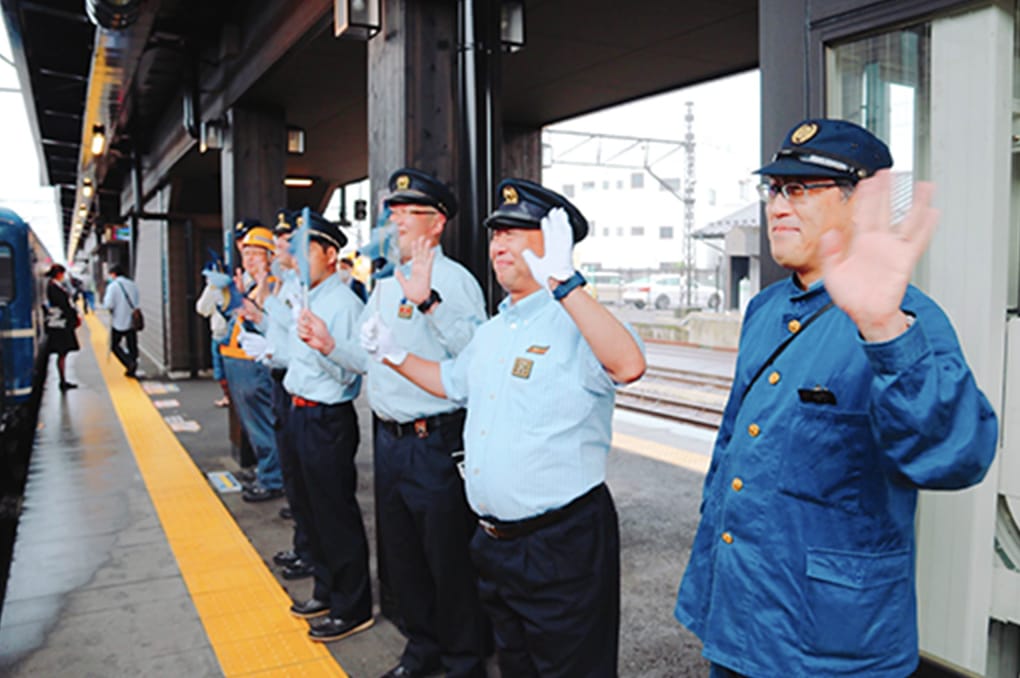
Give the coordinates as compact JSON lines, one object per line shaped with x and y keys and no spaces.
{"x":129,"y":562}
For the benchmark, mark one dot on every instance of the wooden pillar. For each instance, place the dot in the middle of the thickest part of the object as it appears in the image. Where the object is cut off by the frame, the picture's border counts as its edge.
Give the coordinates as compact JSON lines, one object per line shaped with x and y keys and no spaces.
{"x":252,"y":167}
{"x":416,"y":96}
{"x":522,"y":153}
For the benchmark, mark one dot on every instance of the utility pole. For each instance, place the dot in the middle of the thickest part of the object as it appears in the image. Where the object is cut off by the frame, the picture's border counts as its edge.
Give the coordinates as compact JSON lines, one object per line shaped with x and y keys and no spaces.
{"x":689,"y":184}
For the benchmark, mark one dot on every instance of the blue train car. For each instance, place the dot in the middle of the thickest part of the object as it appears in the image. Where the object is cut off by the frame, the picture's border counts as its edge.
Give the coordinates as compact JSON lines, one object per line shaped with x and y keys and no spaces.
{"x":20,"y":314}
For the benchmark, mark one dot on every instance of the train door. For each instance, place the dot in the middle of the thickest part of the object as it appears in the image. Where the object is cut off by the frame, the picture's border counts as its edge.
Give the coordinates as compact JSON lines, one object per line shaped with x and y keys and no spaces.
{"x":941,"y":91}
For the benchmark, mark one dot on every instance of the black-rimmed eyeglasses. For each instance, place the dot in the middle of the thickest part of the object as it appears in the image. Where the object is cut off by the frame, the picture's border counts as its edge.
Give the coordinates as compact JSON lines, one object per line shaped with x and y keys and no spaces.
{"x":792,"y":190}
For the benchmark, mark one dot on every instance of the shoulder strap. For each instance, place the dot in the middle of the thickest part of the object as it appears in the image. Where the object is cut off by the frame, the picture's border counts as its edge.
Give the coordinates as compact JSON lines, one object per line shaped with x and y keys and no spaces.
{"x":782,"y":347}
{"x":127,"y":298}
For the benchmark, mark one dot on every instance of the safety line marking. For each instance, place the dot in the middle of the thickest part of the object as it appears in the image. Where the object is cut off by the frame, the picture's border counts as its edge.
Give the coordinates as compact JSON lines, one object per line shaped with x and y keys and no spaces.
{"x":692,"y":461}
{"x":241,"y":605}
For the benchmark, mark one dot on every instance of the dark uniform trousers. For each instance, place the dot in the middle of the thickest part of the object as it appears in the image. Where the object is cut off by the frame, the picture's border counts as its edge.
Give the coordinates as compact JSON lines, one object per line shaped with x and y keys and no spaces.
{"x":293,"y":484}
{"x":323,"y":440}
{"x":425,"y":528}
{"x":554,"y":594}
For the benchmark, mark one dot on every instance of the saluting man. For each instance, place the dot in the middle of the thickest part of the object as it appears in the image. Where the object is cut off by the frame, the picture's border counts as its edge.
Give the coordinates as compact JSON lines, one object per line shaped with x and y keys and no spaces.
{"x":538,"y":381}
{"x":323,"y":436}
{"x":850,"y":394}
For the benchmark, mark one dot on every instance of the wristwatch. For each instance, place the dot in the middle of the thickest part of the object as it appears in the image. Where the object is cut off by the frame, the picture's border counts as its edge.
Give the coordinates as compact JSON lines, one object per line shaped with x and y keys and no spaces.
{"x":568,"y":286}
{"x":432,"y":300}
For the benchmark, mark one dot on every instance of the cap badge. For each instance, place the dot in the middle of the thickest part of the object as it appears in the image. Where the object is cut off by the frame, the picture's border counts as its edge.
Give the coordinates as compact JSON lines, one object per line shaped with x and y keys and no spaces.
{"x":510,"y":196}
{"x":403,"y":182}
{"x":804,"y":133}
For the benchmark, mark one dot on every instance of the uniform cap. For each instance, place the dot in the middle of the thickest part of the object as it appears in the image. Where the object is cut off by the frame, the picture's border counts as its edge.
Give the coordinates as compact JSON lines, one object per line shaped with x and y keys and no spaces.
{"x":409,"y":186}
{"x":245,"y":225}
{"x":325,"y":231}
{"x":523,"y":204}
{"x":286,"y":221}
{"x":829,"y":148}
{"x":259,"y":236}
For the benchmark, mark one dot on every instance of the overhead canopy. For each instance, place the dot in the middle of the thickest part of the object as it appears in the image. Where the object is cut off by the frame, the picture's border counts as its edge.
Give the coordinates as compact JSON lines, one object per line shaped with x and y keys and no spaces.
{"x":580,"y":56}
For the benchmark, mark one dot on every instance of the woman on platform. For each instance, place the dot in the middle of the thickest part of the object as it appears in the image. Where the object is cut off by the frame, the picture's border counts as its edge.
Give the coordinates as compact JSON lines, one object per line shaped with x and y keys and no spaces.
{"x":61,"y":322}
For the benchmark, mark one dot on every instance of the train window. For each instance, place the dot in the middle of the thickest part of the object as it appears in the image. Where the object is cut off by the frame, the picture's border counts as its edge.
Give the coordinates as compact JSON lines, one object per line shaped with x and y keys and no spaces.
{"x":6,"y":273}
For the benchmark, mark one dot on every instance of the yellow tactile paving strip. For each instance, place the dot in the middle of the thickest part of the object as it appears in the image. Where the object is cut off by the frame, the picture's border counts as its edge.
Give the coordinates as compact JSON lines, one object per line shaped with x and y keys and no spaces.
{"x":242,"y":607}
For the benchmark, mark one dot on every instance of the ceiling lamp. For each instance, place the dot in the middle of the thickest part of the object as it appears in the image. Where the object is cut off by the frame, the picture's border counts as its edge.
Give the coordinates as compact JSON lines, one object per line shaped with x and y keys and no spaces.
{"x":98,"y":139}
{"x":358,"y":19}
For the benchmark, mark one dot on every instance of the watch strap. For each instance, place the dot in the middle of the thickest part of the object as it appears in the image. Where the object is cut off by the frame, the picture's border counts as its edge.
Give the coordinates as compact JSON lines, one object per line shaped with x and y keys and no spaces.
{"x":432,"y":300}
{"x":568,"y":286}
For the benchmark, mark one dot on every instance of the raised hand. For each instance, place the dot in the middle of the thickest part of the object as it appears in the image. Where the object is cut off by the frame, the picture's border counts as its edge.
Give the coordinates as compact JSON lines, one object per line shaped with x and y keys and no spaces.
{"x":867,"y":271}
{"x":418,"y":287}
{"x":312,"y":330}
{"x":557,"y":262}
{"x":379,"y":343}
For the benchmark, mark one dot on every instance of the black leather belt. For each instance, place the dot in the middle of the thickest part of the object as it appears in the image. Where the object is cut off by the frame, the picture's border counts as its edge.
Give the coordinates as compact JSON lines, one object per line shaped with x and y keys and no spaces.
{"x":424,"y":426}
{"x":498,"y":529}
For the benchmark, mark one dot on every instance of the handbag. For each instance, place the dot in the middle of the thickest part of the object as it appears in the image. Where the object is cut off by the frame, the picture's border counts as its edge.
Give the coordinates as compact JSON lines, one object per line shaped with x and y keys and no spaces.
{"x":137,"y":319}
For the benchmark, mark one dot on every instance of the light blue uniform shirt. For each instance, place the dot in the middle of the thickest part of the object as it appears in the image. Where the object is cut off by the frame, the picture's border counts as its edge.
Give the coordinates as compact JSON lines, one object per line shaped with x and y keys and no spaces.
{"x":278,"y":317}
{"x":438,"y":335}
{"x":803,"y":564}
{"x":312,"y":375}
{"x":540,"y":407}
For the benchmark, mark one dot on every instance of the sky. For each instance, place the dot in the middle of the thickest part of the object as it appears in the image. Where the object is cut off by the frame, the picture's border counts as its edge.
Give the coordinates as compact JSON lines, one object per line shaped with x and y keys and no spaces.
{"x":21,"y":186}
{"x":727,"y":138}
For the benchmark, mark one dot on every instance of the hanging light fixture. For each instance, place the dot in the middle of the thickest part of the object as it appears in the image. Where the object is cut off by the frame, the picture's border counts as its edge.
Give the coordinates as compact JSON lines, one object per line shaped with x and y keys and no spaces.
{"x":98,"y":139}
{"x":511,"y":25}
{"x":358,"y":19}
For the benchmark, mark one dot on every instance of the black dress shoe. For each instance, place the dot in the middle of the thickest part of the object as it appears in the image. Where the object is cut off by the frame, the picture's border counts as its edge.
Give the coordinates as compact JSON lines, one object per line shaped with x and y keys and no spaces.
{"x":299,"y":569}
{"x":329,"y":629}
{"x":401,"y":671}
{"x":67,"y":385}
{"x":285,"y":558}
{"x":257,"y":493}
{"x":286,"y":513}
{"x":313,"y":607}
{"x":245,"y":475}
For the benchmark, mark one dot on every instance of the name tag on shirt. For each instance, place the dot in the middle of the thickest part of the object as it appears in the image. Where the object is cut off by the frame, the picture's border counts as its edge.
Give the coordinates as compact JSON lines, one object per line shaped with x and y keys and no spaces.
{"x":405,"y":311}
{"x":522,"y":368}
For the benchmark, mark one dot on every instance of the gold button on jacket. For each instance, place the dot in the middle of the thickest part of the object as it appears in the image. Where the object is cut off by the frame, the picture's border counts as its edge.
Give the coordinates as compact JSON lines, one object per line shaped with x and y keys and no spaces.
{"x":754,"y":430}
{"x":727,"y":537}
{"x":793,"y":326}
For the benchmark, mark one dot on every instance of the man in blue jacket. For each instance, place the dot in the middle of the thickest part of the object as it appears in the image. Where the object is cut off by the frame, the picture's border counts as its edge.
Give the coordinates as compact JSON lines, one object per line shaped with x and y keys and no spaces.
{"x":803,"y":563}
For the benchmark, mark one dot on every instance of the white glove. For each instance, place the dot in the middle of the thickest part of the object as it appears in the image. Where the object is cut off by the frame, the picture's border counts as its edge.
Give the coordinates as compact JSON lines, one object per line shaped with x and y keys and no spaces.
{"x":558,"y":262}
{"x":378,"y":341}
{"x":255,"y":345}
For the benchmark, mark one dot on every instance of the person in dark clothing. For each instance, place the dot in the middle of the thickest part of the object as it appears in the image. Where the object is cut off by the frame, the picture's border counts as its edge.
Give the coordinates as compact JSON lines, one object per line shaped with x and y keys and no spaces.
{"x":61,"y":321}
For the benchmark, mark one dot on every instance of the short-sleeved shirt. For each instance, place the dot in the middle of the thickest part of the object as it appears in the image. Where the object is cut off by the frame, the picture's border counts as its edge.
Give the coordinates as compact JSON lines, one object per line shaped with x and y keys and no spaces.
{"x":540,"y":406}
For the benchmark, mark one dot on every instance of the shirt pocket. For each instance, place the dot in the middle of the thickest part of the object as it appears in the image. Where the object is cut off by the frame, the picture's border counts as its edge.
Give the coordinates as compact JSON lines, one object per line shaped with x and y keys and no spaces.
{"x":858,"y":604}
{"x":821,"y":460}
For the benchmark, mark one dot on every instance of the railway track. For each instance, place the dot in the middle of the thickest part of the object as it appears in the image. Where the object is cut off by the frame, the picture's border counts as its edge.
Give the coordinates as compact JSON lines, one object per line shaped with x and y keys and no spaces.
{"x":685,"y":396}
